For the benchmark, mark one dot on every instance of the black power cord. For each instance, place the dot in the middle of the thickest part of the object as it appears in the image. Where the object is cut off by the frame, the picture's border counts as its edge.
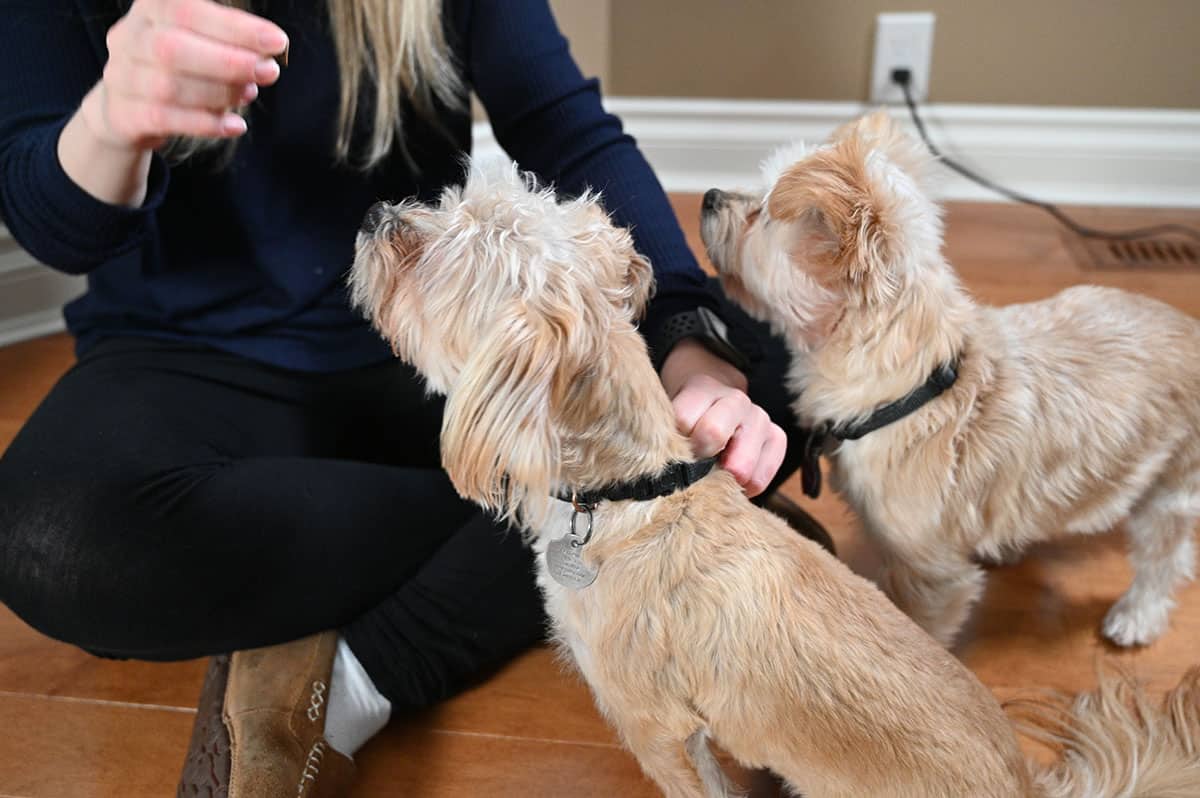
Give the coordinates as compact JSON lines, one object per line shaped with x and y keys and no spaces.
{"x":903,"y":78}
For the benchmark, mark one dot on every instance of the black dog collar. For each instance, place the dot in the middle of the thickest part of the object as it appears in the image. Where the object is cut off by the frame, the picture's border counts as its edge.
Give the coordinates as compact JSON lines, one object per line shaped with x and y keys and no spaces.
{"x":675,"y":477}
{"x":564,"y":556}
{"x":939,"y":381}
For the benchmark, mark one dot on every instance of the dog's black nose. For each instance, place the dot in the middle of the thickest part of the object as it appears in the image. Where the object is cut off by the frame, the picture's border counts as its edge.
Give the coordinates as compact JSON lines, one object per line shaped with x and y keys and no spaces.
{"x":713,"y":198}
{"x":375,"y":216}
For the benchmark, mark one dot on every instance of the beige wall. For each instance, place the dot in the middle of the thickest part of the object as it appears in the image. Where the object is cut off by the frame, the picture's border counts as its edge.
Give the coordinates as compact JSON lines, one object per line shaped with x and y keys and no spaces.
{"x":586,"y":24}
{"x":1137,"y":53}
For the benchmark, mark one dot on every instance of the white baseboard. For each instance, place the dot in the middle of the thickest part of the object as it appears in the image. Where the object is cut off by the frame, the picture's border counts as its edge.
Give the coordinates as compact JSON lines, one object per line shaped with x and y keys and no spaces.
{"x":31,"y":325}
{"x":1089,"y":156}
{"x":31,"y":295}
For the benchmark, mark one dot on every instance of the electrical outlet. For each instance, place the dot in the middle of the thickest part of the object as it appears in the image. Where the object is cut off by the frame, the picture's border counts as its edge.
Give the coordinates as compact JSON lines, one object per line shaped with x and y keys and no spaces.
{"x":902,"y":41}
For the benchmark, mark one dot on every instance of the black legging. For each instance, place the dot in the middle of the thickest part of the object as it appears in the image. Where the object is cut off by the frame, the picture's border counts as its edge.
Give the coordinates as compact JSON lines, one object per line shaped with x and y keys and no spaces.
{"x":167,"y":501}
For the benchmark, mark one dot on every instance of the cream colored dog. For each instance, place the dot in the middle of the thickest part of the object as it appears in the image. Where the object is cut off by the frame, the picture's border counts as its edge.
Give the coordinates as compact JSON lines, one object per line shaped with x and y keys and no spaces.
{"x":708,"y":617}
{"x":1068,"y":415}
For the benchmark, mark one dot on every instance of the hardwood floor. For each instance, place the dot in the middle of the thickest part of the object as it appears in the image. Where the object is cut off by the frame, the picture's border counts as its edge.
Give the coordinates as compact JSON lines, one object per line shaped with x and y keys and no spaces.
{"x":73,"y":725}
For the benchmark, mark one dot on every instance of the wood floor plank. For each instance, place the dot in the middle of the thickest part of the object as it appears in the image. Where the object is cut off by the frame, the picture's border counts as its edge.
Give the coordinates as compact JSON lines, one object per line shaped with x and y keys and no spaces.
{"x":58,"y":748}
{"x":33,"y":663}
{"x":1040,"y":619}
{"x":411,"y":760}
{"x":27,"y":370}
{"x":414,"y":761}
{"x":534,"y":696}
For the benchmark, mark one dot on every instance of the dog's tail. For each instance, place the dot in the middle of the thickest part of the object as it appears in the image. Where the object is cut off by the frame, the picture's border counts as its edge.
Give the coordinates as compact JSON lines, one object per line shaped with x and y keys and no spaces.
{"x":1114,"y":743}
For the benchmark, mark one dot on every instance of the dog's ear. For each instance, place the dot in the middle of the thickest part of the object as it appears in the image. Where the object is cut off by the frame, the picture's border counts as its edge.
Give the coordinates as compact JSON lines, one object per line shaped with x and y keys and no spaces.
{"x":832,"y":193}
{"x":499,"y":440}
{"x":640,"y":284}
{"x":880,"y":132}
{"x":879,"y":124}
{"x":634,"y":291}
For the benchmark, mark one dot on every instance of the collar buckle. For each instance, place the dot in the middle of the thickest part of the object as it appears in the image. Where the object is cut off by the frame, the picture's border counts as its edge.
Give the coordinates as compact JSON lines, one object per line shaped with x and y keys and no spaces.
{"x":580,"y":505}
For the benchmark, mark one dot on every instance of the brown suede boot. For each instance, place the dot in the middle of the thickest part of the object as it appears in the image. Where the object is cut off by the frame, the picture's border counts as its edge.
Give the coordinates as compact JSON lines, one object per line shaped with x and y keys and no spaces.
{"x":206,"y":766}
{"x":259,"y":730}
{"x":275,"y":713}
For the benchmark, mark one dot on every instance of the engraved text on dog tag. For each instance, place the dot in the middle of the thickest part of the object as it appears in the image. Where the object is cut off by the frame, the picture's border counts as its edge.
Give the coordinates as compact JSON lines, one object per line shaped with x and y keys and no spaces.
{"x":564,"y":561}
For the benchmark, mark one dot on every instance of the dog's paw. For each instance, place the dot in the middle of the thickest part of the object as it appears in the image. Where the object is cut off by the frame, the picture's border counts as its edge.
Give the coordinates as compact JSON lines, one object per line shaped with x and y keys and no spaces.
{"x":1132,"y":622}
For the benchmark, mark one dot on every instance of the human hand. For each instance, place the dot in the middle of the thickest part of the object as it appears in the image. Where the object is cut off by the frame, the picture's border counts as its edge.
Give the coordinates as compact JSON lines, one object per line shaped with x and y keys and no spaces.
{"x":177,"y":68}
{"x":714,"y":411}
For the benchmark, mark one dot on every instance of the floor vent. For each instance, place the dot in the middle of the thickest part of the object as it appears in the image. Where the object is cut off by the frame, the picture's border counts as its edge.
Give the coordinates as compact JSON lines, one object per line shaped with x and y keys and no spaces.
{"x":1147,"y":254}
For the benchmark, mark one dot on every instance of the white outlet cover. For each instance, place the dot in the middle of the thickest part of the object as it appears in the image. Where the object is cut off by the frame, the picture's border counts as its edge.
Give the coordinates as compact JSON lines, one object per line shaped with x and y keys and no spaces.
{"x":902,"y":40}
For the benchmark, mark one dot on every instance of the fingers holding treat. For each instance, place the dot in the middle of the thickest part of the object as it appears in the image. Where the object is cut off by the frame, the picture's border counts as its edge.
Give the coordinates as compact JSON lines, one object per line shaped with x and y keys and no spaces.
{"x":178,"y":68}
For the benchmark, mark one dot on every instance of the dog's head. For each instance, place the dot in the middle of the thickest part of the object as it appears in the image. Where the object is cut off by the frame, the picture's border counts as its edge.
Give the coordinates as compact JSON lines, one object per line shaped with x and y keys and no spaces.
{"x":840,"y":225}
{"x":503,"y":299}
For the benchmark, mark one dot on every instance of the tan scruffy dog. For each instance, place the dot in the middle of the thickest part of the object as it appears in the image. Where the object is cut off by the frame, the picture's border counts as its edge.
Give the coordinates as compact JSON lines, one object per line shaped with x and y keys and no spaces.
{"x":707,"y":617}
{"x":1068,"y":415}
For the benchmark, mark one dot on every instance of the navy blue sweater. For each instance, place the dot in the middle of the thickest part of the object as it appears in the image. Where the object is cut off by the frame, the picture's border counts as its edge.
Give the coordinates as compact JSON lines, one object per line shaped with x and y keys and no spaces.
{"x":252,"y":258}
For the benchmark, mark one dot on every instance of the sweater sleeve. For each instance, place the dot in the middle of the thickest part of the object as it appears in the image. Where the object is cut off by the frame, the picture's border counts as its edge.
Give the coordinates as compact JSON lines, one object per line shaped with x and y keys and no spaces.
{"x":47,"y":65}
{"x":550,"y":119}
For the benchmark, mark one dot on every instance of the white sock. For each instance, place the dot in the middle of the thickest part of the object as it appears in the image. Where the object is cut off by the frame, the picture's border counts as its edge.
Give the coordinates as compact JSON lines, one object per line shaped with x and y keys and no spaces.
{"x":356,"y":710}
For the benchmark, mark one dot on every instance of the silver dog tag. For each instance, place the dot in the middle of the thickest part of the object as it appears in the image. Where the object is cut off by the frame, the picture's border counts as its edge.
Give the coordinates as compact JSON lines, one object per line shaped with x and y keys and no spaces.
{"x":564,"y":561}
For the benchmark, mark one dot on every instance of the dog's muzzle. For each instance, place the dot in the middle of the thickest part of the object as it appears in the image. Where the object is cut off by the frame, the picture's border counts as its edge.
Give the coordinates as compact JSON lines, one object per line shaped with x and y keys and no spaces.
{"x":375,"y":216}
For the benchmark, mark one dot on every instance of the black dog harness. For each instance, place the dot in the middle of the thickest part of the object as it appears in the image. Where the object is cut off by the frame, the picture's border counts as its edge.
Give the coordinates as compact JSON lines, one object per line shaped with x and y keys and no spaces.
{"x":939,"y":381}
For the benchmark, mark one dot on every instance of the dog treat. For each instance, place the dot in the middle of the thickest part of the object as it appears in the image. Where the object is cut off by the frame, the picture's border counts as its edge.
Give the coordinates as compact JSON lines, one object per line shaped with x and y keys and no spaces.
{"x":282,"y":58}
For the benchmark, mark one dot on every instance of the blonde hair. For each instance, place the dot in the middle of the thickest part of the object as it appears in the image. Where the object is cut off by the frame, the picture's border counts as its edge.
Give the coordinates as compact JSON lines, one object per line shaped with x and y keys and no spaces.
{"x":398,"y":45}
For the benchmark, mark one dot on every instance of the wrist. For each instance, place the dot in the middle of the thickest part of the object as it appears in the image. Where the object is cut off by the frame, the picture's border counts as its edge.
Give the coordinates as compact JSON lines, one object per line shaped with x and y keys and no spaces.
{"x":701,"y":325}
{"x":690,"y":357}
{"x":110,"y":170}
{"x":93,"y":122}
